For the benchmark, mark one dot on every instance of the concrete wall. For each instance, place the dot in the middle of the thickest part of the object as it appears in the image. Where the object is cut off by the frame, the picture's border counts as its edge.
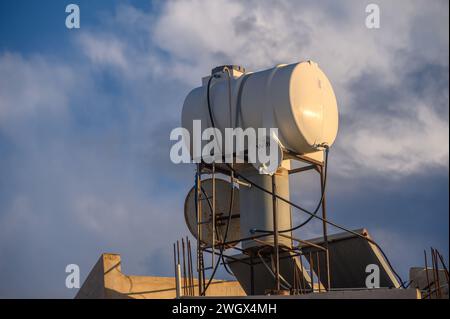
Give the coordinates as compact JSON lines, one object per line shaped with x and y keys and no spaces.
{"x":418,"y":277}
{"x":106,"y":280}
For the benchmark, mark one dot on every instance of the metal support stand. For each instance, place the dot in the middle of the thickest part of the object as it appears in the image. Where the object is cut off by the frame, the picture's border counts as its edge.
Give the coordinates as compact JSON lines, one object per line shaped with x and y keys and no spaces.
{"x":294,"y":252}
{"x":275,"y":235}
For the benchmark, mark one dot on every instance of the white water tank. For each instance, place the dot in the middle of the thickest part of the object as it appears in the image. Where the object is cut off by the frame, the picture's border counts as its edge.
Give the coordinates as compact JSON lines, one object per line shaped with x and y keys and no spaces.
{"x":297,"y":99}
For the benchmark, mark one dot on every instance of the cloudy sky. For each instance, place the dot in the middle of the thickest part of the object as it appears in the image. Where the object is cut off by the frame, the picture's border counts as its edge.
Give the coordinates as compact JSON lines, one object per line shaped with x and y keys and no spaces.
{"x":85,"y":117}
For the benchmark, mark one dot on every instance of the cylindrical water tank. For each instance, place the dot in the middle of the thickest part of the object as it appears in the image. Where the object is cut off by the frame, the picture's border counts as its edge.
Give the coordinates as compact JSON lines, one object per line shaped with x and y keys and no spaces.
{"x":297,"y":99}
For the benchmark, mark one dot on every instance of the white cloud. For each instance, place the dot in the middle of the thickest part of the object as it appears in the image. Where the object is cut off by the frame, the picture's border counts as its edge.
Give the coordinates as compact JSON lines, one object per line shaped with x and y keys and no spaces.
{"x":396,"y":145}
{"x":108,"y":51}
{"x":200,"y":34}
{"x":197,"y":35}
{"x":72,"y":172}
{"x":32,"y":86}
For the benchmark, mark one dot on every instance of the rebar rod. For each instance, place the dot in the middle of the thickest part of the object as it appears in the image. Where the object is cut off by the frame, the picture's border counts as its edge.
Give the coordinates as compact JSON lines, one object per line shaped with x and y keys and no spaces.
{"x":426,"y":273}
{"x":184,"y":268}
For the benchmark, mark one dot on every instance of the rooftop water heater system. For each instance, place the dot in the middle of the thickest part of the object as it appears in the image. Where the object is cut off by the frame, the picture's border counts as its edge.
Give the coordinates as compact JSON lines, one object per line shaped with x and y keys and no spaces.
{"x":246,"y":206}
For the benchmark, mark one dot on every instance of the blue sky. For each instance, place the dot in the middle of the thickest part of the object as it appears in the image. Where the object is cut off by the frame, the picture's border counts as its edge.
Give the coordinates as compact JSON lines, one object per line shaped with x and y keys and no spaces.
{"x":85,"y":117}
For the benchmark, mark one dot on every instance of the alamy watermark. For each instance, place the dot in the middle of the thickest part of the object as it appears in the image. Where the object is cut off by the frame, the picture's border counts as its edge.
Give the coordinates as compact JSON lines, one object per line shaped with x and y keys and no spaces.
{"x":373,"y":277}
{"x":373,"y":16}
{"x":260,"y":147}
{"x":73,"y":17}
{"x":73,"y":277}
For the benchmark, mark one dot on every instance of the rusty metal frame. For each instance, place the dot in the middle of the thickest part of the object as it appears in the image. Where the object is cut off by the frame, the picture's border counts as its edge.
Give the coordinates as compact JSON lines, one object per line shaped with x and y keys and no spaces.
{"x":212,"y":169}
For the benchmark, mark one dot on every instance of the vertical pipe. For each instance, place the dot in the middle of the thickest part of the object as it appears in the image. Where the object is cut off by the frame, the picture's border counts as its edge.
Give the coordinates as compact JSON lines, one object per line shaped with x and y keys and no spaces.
{"x":275,"y":235}
{"x":252,"y":276}
{"x":438,"y":285}
{"x":175,"y":263}
{"x":178,"y":252}
{"x":311,"y":271}
{"x":434,"y":274}
{"x":191,"y":272}
{"x":199,"y":228}
{"x":203,"y":274}
{"x":318,"y":270}
{"x":303,"y":284}
{"x":426,"y":273}
{"x":294,"y":277}
{"x":188,"y":268}
{"x":325,"y":229}
{"x":178,"y":281}
{"x":213,"y":213}
{"x":184,"y":267}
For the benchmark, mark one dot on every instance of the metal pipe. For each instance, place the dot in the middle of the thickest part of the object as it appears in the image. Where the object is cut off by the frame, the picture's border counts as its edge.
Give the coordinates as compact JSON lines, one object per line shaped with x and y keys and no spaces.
{"x":228,"y":257}
{"x":303,"y":241}
{"x":188,"y":268}
{"x":199,"y":233}
{"x":178,"y":252}
{"x":443,"y":265}
{"x":325,"y":228}
{"x":191,"y":272}
{"x":175,"y":263}
{"x":184,"y":267}
{"x":438,"y":284}
{"x":434,"y":272}
{"x":318,"y":270}
{"x":294,"y":276}
{"x":302,"y":169}
{"x":252,"y":276}
{"x":213,"y":211}
{"x":303,"y":285}
{"x":203,"y":275}
{"x":311,"y":271}
{"x":243,"y":239}
{"x":275,"y":235}
{"x":178,"y":281}
{"x":426,"y":273}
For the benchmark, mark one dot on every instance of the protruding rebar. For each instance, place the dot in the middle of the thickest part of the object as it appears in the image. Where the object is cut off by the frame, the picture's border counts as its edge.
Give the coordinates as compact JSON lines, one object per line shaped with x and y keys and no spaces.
{"x":426,"y":273}
{"x":311,"y":271}
{"x":190,"y":270}
{"x":184,"y":268}
{"x":303,"y":284}
{"x":443,"y":265}
{"x":318,"y":270}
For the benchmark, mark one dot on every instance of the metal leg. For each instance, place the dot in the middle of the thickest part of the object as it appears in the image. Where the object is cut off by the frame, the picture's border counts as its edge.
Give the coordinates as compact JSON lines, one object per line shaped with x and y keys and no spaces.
{"x":325,"y":232}
{"x":252,"y":276}
{"x":199,"y":229}
{"x":275,"y":235}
